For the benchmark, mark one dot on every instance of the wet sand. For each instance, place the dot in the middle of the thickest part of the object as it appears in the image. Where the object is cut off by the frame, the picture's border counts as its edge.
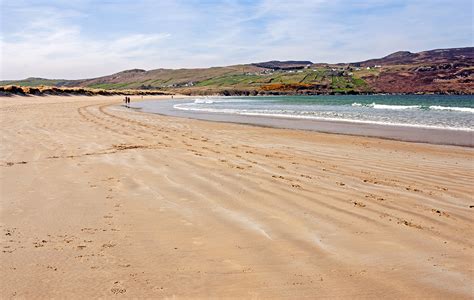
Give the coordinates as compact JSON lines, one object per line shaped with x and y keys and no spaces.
{"x":394,"y":132}
{"x":100,"y":201}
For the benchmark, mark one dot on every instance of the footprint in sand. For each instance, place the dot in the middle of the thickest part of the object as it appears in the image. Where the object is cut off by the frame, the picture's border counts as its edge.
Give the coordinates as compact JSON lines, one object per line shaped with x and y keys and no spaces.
{"x":372,"y":196}
{"x":409,"y":224}
{"x":118,"y":288}
{"x":359,"y":204}
{"x":108,"y":245}
{"x":440,"y":213}
{"x":409,"y":188}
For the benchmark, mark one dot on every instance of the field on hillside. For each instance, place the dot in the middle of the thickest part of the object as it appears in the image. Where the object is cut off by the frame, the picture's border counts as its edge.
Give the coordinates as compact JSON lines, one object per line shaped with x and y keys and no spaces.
{"x":450,"y":71}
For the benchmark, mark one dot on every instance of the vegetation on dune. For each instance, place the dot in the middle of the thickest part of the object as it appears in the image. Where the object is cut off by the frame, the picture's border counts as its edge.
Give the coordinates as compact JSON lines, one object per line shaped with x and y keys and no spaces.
{"x":48,"y":90}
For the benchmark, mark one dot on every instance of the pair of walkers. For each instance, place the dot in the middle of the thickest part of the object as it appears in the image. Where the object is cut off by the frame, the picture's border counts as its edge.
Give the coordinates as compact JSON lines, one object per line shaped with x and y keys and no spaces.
{"x":126,"y":100}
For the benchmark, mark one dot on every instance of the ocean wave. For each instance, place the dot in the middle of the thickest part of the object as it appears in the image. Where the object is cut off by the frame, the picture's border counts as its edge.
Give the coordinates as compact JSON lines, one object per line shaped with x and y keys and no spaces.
{"x":394,"y":107}
{"x":386,"y":106}
{"x":404,"y":107}
{"x":461,"y":109}
{"x":217,"y":100}
{"x":292,"y":115}
{"x":203,"y":101}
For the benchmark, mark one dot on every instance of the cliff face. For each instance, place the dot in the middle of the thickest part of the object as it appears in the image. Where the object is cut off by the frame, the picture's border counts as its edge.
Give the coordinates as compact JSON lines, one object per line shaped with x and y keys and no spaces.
{"x":435,"y":71}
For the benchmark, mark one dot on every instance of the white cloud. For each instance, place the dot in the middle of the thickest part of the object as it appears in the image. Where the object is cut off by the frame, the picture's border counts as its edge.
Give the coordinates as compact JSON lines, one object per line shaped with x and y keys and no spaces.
{"x":81,"y":39}
{"x":51,"y":46}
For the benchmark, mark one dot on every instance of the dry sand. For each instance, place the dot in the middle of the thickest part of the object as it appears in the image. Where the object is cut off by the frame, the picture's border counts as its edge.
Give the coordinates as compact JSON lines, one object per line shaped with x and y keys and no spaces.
{"x":100,"y":201}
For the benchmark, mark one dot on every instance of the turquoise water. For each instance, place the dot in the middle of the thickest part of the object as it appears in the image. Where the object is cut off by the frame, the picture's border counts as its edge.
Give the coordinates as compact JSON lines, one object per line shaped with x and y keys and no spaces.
{"x":427,"y":111}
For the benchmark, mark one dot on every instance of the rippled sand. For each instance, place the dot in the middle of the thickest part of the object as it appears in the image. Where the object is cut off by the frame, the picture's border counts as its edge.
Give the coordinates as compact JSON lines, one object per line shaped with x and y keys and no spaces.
{"x":99,"y":200}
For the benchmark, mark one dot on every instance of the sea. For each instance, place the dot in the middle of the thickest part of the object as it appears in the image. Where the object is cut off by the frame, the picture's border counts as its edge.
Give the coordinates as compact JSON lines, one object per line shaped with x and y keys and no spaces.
{"x":452,"y":112}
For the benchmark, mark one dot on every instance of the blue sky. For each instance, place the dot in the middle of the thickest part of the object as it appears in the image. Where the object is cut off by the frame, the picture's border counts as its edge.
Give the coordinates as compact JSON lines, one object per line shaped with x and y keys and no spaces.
{"x":86,"y":38}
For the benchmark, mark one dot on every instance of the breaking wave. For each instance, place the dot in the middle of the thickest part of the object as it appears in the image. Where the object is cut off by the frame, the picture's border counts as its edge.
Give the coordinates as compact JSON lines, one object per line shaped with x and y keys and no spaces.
{"x":404,"y":107}
{"x":462,"y":109}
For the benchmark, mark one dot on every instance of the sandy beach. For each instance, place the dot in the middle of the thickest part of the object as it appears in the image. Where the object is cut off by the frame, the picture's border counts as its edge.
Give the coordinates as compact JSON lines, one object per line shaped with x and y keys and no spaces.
{"x":98,"y":200}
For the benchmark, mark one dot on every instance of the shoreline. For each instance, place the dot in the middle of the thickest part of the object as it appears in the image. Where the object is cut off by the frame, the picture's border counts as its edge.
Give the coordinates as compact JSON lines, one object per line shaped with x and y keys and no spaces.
{"x":438,"y":136}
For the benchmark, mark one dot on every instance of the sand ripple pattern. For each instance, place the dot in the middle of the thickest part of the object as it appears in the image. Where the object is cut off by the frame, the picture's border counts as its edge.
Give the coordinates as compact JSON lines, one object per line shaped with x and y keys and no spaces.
{"x":102,"y":201}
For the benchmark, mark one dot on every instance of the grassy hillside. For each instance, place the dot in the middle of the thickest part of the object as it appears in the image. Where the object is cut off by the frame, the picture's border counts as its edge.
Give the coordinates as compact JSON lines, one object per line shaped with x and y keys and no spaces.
{"x":240,"y":78}
{"x":33,"y":82}
{"x":436,"y":71}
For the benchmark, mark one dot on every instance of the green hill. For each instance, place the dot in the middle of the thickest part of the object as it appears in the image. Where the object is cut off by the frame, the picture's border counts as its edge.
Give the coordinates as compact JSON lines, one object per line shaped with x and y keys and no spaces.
{"x":435,"y":71}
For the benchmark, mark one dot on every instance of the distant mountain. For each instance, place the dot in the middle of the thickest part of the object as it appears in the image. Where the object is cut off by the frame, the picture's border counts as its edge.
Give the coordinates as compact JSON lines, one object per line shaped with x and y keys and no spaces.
{"x":440,"y":70}
{"x":434,"y":71}
{"x":283,"y":65}
{"x":457,"y":55}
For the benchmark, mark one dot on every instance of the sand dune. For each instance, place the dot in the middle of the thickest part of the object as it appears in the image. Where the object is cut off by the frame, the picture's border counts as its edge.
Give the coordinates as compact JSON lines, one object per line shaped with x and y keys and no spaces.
{"x":98,"y":200}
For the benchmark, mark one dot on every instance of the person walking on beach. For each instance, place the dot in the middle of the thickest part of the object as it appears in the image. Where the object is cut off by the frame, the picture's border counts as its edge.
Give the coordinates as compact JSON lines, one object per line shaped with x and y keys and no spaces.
{"x":127,"y":101}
